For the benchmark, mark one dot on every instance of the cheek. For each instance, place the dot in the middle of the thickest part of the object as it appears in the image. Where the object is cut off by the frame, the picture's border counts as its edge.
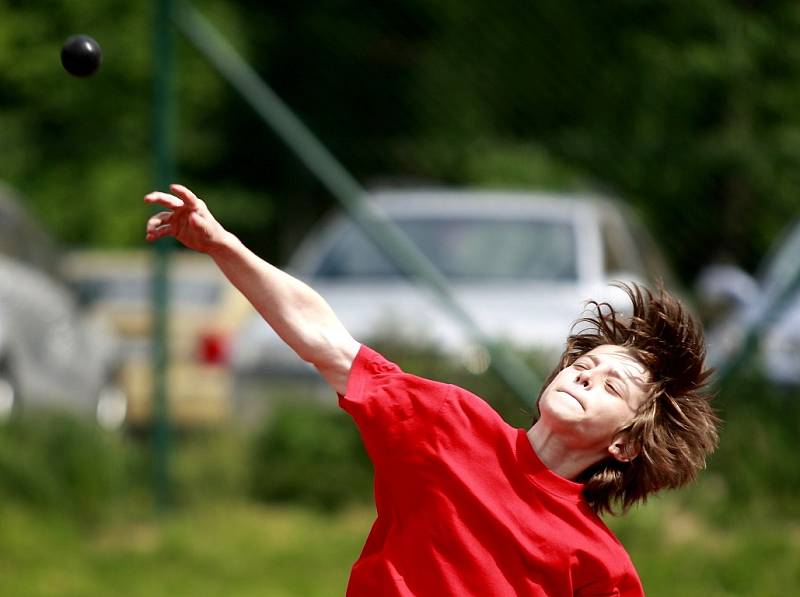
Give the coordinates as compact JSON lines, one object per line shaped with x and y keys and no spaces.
{"x":548,"y":391}
{"x":564,"y":376}
{"x":598,"y":431}
{"x":613,"y":416}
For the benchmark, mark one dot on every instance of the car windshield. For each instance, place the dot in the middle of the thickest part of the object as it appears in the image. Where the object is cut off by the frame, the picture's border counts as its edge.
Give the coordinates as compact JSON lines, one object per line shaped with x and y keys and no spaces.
{"x":465,"y":249}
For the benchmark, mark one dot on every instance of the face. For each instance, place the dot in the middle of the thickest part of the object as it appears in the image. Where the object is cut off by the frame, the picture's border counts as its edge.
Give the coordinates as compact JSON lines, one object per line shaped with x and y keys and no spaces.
{"x":589,"y":401}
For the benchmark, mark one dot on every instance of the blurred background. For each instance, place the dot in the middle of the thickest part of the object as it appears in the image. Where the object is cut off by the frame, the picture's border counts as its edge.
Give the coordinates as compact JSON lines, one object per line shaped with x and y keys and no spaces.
{"x":534,"y":152}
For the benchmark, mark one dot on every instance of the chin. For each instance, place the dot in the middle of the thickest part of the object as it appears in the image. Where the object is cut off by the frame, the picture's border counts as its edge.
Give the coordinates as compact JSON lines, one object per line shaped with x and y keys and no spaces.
{"x":557,"y":409}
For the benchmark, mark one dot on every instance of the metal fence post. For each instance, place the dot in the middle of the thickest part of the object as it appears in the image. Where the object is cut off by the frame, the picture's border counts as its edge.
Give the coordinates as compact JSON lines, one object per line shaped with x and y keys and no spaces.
{"x":164,"y":166}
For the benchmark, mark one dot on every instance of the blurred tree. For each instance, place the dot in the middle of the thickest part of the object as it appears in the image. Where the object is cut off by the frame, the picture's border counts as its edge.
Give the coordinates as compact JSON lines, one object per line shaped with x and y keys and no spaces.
{"x":685,"y":109}
{"x":79,"y":149}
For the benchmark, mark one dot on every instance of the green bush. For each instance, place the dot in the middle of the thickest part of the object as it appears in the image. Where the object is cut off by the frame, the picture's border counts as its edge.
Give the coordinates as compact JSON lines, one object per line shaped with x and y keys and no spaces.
{"x":209,"y":465}
{"x":754,"y":464}
{"x":60,"y":463}
{"x":311,"y":454}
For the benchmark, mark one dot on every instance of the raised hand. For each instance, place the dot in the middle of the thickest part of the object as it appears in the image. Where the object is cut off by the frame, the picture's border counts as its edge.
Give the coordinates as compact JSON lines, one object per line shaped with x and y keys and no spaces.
{"x":187,"y":219}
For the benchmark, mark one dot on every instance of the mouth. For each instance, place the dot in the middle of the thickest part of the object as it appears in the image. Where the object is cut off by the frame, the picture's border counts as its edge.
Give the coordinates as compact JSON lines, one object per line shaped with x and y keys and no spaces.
{"x":573,"y":397}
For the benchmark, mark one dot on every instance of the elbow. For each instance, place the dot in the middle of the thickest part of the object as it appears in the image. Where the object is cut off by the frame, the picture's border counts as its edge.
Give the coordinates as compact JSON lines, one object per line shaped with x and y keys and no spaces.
{"x":324,"y":350}
{"x":331,"y":352}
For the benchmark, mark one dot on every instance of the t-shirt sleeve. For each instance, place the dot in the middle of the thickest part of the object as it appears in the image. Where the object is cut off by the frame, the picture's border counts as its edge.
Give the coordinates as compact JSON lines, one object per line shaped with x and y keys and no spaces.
{"x":395,"y":412}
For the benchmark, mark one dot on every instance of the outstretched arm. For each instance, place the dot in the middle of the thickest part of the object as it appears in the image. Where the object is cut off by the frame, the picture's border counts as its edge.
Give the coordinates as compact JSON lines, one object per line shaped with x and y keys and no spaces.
{"x":299,"y":315}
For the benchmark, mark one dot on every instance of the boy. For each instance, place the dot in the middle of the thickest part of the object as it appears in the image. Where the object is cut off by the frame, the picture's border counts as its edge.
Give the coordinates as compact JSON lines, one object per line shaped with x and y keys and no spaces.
{"x":467,"y":505}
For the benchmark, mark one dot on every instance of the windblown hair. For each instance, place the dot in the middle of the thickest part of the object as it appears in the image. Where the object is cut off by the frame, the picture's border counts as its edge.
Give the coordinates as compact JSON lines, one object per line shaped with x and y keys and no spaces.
{"x":675,"y":429}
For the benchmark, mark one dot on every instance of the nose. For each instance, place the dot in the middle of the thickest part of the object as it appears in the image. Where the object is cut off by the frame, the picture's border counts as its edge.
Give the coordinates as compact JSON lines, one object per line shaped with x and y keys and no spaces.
{"x":583,"y":378}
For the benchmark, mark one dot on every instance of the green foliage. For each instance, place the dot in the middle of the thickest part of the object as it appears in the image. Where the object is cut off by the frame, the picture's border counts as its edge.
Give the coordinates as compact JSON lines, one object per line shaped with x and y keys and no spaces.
{"x":209,"y":465}
{"x":685,"y":109}
{"x":310,"y":454}
{"x":80,"y":149}
{"x":61,"y":464}
{"x":751,"y":470}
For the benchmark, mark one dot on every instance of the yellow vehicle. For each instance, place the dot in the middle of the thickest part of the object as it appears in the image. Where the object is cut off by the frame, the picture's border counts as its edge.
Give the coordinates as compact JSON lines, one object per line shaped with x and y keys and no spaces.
{"x":204,"y":311}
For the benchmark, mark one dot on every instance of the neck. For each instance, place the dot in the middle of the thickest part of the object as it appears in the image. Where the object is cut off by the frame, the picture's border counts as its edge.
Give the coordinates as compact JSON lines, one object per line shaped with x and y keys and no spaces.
{"x":558,"y":454}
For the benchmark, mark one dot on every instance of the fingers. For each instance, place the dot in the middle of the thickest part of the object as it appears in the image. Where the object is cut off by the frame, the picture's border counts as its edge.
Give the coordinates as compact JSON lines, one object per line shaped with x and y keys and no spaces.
{"x":182,"y":196}
{"x":163,"y":199}
{"x":188,"y":197}
{"x":160,"y":218}
{"x":159,"y":226}
{"x":158,"y":232}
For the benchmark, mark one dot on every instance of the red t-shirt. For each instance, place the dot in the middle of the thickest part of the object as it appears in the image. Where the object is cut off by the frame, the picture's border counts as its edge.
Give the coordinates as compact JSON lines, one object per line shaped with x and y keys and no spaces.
{"x":465,"y":507}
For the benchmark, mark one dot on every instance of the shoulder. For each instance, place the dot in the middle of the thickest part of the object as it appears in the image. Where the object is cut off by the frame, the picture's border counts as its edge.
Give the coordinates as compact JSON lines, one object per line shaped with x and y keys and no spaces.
{"x":380,"y":393}
{"x":376,"y":384}
{"x":367,"y":364}
{"x":373,"y":375}
{"x":472,"y":413}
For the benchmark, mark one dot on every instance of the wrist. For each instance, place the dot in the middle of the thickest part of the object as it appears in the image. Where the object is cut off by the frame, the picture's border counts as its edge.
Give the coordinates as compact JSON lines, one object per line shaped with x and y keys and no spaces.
{"x":225,"y":244}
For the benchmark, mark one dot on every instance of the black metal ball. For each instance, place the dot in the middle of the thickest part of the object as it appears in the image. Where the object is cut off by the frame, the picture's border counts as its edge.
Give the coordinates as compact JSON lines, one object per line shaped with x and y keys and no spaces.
{"x":81,"y":55}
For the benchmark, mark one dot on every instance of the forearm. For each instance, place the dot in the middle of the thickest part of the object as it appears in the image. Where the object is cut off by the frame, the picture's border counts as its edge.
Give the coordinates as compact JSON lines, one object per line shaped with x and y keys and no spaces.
{"x":297,"y":313}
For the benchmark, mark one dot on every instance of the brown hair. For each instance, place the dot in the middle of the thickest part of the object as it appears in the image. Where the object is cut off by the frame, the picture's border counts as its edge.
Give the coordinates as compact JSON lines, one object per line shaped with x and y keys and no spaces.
{"x":675,"y":429}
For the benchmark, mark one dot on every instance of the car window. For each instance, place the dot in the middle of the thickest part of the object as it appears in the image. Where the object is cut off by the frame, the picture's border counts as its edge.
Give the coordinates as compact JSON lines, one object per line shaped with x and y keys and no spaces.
{"x":464,"y":249}
{"x":136,"y":290}
{"x":618,"y":253}
{"x":630,"y":248}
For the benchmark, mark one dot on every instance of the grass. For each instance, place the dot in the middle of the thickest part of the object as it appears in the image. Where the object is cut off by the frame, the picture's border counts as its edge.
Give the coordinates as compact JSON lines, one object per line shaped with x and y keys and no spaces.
{"x":240,"y":549}
{"x":225,"y":549}
{"x":679,"y":549}
{"x":72,"y":526}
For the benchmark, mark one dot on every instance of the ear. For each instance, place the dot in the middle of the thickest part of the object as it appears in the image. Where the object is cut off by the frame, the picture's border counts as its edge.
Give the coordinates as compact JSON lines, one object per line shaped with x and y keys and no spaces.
{"x":623,"y":450}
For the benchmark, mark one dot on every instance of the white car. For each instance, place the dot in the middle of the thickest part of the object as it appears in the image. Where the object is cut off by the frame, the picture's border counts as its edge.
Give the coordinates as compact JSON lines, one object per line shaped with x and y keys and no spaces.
{"x":522,"y":265}
{"x":51,"y":356}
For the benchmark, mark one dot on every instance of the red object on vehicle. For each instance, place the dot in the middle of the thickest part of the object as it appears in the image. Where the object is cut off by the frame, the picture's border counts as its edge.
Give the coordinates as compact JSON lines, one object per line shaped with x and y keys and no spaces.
{"x":214,"y":348}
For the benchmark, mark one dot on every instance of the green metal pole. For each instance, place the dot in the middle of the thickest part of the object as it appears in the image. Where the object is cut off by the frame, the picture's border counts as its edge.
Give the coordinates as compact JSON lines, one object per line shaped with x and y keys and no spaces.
{"x":164,"y":167}
{"x":517,"y":375}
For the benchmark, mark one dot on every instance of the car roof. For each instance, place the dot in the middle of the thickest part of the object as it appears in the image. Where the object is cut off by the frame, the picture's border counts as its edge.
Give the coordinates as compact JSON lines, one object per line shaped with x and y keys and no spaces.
{"x":480,"y":203}
{"x":579,"y":209}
